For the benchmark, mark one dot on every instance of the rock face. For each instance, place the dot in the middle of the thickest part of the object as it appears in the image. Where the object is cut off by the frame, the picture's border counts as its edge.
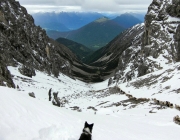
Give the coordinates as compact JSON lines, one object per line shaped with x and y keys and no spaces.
{"x":23,"y":42}
{"x":144,"y":48}
{"x":158,"y":45}
{"x":24,"y":45}
{"x":161,"y":24}
{"x":24,"y":70}
{"x":5,"y":76}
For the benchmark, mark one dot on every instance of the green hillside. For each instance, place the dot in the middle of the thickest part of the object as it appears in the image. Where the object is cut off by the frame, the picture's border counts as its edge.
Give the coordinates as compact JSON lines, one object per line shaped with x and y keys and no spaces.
{"x":80,"y":50}
{"x":94,"y":35}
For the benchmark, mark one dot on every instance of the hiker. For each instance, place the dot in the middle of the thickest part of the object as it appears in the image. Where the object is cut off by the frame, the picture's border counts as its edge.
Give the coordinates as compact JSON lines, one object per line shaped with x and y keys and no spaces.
{"x":50,"y":94}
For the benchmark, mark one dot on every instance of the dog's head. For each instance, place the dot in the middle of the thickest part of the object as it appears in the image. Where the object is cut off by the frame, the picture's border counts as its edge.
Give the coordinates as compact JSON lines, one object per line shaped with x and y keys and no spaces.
{"x":88,"y":128}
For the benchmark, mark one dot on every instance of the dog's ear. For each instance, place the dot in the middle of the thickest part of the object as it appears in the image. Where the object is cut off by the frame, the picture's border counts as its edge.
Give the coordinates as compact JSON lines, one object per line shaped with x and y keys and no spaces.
{"x":85,"y":124}
{"x":91,"y":125}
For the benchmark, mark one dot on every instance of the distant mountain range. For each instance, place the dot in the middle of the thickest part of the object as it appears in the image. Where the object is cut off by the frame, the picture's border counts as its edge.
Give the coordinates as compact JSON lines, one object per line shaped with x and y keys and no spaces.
{"x":127,"y":20}
{"x":139,"y":16}
{"x":93,"y":35}
{"x":65,"y":21}
{"x":92,"y":30}
{"x":71,"y":20}
{"x":80,"y":50}
{"x":53,"y":25}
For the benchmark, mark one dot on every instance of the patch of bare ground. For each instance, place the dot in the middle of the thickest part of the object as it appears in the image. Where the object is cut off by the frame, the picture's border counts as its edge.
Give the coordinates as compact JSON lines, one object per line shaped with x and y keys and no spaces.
{"x":146,"y":81}
{"x":102,"y":103}
{"x":91,"y":107}
{"x":76,"y":108}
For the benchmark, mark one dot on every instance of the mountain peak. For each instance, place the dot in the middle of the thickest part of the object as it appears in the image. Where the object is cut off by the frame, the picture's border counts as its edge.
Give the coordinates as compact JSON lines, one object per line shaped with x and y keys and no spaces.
{"x":127,"y":20}
{"x":102,"y":19}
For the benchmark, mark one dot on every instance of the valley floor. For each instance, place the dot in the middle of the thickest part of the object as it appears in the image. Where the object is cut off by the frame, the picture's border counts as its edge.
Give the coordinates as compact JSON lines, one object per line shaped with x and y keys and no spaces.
{"x":115,"y":116}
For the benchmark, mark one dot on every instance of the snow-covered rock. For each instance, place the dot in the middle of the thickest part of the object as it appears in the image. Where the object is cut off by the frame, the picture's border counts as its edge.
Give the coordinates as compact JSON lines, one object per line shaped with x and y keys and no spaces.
{"x":157,"y":47}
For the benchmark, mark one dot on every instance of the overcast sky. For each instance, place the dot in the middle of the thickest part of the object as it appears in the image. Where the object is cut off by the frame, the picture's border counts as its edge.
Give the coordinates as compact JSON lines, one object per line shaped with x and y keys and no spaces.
{"x":117,"y":6}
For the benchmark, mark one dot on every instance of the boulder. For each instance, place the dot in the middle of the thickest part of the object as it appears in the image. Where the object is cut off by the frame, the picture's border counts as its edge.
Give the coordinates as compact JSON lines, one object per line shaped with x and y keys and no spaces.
{"x":31,"y":94}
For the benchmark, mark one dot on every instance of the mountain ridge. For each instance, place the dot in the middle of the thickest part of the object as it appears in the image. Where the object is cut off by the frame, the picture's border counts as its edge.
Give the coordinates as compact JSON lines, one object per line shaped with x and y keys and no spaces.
{"x":127,"y":20}
{"x":72,"y":20}
{"x":80,"y":50}
{"x":92,"y":35}
{"x":158,"y":45}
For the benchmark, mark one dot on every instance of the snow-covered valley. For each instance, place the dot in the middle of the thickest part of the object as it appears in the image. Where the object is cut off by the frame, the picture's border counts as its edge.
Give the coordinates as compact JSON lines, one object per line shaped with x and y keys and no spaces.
{"x":115,"y":115}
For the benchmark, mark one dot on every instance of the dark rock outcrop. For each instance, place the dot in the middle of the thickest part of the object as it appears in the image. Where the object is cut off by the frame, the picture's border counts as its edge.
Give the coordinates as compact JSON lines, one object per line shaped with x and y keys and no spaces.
{"x":31,"y":94}
{"x":5,"y":76}
{"x":29,"y":72}
{"x":161,"y":23}
{"x":23,"y":42}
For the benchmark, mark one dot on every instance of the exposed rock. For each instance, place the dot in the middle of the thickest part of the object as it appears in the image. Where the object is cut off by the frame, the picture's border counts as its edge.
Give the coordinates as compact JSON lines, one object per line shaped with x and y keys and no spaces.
{"x":142,"y":69}
{"x":160,"y":29}
{"x":110,"y":81}
{"x":177,"y":38}
{"x":31,"y":94}
{"x":23,"y":43}
{"x":159,"y":42}
{"x":5,"y":76}
{"x":176,"y":119}
{"x":56,"y":100}
{"x":178,"y":68}
{"x":27,"y":71}
{"x":145,"y":48}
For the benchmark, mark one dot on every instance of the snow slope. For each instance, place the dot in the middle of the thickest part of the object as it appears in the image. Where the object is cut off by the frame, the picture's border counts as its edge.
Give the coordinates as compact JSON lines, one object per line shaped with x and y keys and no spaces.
{"x":114,"y":115}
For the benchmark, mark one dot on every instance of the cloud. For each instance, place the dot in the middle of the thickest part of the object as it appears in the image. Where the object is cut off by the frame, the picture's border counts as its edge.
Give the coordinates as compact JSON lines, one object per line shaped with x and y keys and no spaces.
{"x":118,"y":6}
{"x":51,"y":8}
{"x":52,"y":2}
{"x":97,"y":5}
{"x":133,"y":2}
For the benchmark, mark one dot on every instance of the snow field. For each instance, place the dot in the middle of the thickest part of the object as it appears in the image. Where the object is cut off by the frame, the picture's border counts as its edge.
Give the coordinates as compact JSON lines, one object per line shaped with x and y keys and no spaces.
{"x":26,"y":118}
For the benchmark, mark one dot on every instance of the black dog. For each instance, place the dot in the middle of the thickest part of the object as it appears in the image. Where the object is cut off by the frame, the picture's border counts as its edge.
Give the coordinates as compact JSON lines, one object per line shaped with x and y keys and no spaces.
{"x":87,"y":132}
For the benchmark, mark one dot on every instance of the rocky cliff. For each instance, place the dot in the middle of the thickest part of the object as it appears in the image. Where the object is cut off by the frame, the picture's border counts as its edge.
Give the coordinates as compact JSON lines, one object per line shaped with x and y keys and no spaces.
{"x":159,"y":44}
{"x":144,"y":48}
{"x":24,"y":45}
